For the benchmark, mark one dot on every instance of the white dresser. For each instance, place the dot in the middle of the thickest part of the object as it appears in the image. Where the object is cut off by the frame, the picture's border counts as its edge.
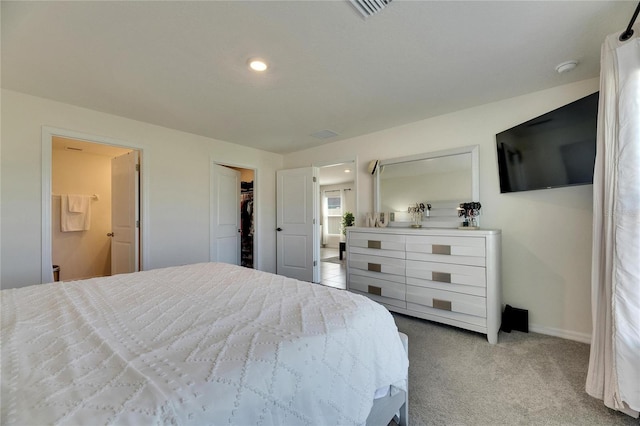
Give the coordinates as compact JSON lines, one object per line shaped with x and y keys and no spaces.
{"x":446,"y":275}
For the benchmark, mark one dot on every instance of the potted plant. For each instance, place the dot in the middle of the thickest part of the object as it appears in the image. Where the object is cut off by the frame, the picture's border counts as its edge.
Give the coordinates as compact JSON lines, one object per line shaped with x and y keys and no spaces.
{"x":348,"y":219}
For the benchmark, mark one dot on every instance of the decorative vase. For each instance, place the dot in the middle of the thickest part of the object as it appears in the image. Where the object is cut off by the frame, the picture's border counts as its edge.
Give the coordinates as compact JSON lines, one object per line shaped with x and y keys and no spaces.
{"x":417,"y":219}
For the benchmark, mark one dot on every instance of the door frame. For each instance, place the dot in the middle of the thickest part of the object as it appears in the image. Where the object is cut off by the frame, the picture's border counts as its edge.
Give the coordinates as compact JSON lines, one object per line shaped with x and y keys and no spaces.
{"x":320,"y":165}
{"x":48,"y":132}
{"x":257,"y":262}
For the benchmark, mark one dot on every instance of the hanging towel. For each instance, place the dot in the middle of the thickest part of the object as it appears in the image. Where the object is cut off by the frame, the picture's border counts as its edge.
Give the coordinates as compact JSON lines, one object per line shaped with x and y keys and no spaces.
{"x":75,"y":220}
{"x":77,"y":203}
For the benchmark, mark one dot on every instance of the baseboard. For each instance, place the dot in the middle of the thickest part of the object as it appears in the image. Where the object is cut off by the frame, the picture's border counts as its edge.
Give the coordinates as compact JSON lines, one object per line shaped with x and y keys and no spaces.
{"x":565,"y":334}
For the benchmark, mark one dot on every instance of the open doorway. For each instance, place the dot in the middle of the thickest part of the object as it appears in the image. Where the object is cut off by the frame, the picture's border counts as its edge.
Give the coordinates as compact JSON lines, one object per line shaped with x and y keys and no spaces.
{"x":82,"y":165}
{"x":85,"y":243}
{"x":337,"y":197}
{"x":233,"y":215}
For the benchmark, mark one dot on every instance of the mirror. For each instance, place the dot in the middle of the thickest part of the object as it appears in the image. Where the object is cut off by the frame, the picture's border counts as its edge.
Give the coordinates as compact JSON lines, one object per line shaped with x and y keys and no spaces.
{"x":442,"y":179}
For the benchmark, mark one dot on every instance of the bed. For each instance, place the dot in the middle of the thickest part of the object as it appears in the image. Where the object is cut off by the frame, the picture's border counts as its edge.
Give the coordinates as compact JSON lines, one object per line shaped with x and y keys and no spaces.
{"x":208,"y":343}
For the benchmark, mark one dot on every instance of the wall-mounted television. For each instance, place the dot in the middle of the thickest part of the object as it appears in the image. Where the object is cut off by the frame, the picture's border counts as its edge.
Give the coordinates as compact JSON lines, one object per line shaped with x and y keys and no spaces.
{"x":553,"y":150}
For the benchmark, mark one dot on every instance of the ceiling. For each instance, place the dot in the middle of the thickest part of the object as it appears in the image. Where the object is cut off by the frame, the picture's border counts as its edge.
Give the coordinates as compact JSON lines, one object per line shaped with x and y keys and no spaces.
{"x":183,"y":65}
{"x":336,"y":174}
{"x":60,"y":143}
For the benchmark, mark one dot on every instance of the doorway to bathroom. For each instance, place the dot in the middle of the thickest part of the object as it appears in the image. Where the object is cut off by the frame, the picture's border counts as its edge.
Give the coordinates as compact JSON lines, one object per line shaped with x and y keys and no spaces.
{"x":91,"y":213}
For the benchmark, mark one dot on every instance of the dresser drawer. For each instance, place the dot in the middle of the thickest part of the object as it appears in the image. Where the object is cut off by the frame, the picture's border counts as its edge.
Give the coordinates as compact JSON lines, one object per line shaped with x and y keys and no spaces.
{"x":378,"y":287}
{"x":372,"y":241}
{"x":377,"y":252}
{"x":467,"y":321}
{"x":390,"y":303}
{"x":384,"y":265}
{"x":400,"y":279}
{"x":447,"y":249}
{"x":447,"y":301}
{"x":447,"y":273}
{"x":456,"y":288}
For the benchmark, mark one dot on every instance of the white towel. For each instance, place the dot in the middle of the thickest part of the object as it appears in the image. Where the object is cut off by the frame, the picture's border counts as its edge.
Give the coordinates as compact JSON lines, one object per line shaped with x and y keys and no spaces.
{"x":72,"y":220}
{"x":77,"y":203}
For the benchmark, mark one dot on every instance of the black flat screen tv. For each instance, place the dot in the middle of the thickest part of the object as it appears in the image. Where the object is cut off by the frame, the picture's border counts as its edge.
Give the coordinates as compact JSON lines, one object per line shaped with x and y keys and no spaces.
{"x":554,"y":150}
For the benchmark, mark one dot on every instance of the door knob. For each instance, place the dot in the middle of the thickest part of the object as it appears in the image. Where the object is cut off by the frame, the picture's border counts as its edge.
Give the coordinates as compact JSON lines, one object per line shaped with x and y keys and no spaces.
{"x":110,"y":234}
{"x":278,"y":229}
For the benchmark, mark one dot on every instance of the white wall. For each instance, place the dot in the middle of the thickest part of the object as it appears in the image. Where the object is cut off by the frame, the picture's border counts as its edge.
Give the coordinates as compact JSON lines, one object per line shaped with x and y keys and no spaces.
{"x":546,"y":234}
{"x":175,"y":195}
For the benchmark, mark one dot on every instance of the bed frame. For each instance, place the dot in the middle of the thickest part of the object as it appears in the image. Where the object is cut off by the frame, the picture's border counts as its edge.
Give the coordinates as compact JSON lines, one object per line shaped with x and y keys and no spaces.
{"x":385,"y":409}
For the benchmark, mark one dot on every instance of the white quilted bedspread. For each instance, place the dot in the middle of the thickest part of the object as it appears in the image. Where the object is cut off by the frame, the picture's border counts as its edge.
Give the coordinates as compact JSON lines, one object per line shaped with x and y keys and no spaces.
{"x":199,"y":344}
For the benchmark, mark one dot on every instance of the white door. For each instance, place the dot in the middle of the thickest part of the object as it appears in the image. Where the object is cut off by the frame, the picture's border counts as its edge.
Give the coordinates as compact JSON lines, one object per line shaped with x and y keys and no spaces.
{"x":297,"y":224}
{"x":125,"y":235}
{"x":225,"y":215}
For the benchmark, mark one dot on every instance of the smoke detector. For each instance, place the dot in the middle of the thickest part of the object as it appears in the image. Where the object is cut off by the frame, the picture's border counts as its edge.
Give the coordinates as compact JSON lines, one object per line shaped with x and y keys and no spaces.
{"x":566,"y":66}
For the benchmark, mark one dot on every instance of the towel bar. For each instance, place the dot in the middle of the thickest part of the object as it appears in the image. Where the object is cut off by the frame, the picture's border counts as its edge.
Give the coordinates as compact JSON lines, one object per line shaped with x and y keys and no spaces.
{"x":93,"y":197}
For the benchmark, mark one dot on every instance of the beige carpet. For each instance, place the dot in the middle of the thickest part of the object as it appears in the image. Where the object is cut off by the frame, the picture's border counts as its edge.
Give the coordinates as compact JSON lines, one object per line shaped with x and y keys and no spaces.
{"x":457,"y":378}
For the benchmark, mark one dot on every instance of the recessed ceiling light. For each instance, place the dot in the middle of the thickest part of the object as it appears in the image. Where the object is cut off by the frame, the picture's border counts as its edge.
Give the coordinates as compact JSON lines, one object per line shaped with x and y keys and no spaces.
{"x":257,"y":65}
{"x":347,"y":171}
{"x":566,"y":66}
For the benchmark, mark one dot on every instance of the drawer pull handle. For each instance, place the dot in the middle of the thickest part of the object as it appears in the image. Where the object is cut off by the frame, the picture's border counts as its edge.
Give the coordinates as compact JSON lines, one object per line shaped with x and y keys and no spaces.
{"x":443,"y":277}
{"x":374,"y":290}
{"x":374,"y":244}
{"x":375,"y":267}
{"x":444,"y":305}
{"x":440,"y":249}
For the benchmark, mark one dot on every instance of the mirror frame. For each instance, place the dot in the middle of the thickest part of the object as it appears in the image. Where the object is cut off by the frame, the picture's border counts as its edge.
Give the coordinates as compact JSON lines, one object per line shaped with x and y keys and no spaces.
{"x":475,"y":169}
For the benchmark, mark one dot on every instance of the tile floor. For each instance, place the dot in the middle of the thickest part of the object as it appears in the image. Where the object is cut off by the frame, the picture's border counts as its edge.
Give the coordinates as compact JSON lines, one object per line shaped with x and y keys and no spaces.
{"x":332,"y":274}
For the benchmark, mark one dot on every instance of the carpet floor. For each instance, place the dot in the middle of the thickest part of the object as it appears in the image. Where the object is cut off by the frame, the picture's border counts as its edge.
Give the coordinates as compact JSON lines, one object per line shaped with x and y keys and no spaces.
{"x":457,"y":378}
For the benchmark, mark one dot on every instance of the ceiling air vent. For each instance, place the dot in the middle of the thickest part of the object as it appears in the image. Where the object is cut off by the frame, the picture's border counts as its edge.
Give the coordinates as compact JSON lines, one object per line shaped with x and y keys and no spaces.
{"x":324,"y":134}
{"x":369,"y":7}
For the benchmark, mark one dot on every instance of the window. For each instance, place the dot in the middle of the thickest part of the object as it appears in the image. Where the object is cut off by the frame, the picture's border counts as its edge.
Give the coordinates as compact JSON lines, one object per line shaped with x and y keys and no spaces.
{"x":333,"y":212}
{"x":333,"y":205}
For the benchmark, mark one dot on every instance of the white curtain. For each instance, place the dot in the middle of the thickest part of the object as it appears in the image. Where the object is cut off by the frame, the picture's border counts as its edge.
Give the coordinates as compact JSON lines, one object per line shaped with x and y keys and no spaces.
{"x":614,"y":364}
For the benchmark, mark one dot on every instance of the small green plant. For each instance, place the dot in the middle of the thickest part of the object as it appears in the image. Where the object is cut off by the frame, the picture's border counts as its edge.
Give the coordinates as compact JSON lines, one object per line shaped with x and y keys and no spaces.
{"x":348,"y":219}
